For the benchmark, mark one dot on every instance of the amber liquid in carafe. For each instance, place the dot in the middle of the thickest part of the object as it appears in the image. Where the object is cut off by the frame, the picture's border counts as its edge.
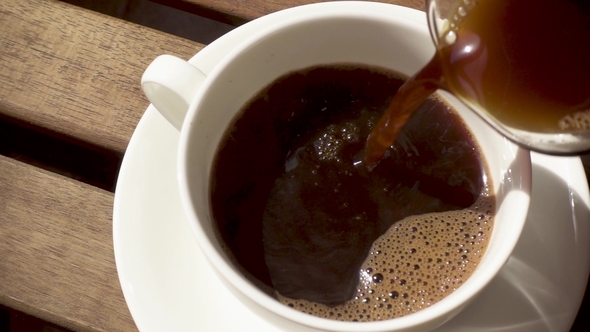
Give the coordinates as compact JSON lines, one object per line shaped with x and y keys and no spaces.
{"x":525,"y":63}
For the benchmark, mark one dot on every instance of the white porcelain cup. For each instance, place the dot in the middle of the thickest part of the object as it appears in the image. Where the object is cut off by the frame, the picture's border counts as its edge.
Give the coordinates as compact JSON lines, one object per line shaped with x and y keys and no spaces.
{"x":201,"y":106}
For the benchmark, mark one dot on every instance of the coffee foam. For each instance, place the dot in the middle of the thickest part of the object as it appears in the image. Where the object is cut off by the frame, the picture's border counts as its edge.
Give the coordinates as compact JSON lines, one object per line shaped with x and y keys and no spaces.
{"x":416,"y":263}
{"x":576,"y":121}
{"x":329,"y":143}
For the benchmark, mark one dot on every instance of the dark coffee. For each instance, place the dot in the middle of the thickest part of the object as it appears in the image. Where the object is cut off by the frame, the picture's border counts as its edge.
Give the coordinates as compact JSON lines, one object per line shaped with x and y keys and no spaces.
{"x":305,"y":220}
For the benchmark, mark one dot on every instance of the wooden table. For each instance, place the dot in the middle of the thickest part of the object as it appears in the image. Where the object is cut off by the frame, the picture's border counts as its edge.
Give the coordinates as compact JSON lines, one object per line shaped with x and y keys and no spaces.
{"x":69,"y":102}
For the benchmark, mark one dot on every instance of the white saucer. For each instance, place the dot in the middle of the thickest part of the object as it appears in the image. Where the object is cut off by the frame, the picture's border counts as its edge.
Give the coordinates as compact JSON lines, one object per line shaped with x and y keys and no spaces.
{"x":169,"y":286}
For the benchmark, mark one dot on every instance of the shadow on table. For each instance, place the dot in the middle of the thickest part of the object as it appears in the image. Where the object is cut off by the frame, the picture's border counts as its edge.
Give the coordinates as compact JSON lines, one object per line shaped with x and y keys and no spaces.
{"x":160,"y":17}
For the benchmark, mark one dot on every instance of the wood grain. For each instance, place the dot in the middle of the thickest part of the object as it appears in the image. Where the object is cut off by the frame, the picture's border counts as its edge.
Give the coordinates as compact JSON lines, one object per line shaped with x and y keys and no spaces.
{"x":75,"y":71}
{"x":237,"y":12}
{"x":56,"y":254}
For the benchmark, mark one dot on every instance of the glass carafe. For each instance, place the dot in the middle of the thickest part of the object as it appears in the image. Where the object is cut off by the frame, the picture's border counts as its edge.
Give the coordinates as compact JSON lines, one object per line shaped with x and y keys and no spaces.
{"x":492,"y":50}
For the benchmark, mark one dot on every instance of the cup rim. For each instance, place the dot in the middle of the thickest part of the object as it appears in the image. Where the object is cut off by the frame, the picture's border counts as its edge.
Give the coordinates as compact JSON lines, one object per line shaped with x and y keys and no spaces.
{"x":225,"y":269}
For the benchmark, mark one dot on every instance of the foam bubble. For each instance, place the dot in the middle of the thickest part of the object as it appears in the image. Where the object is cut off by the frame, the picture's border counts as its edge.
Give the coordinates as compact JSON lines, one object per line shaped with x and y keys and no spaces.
{"x":576,"y":121}
{"x":330,"y":141}
{"x":416,"y":263}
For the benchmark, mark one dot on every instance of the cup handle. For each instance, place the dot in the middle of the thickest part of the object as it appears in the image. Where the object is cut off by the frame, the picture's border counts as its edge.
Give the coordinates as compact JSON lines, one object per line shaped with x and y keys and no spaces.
{"x":170,"y":84}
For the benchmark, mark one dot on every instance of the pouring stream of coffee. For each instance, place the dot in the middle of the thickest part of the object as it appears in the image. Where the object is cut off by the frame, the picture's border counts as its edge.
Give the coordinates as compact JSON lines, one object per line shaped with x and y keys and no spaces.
{"x":523,"y":63}
{"x":402,"y":106}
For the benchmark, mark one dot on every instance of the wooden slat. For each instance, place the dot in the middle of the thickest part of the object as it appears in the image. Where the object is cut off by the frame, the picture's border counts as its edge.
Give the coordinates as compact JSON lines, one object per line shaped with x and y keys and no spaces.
{"x":237,"y":12}
{"x":75,"y":71}
{"x":56,"y":253}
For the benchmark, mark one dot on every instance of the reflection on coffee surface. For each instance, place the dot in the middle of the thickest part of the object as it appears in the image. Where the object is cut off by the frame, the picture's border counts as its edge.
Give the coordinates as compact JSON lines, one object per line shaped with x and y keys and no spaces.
{"x":306,"y":222}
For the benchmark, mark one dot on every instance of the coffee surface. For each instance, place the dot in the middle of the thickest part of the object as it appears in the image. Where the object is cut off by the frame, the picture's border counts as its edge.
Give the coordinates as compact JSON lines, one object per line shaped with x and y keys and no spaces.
{"x":416,"y":263}
{"x":300,"y":214}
